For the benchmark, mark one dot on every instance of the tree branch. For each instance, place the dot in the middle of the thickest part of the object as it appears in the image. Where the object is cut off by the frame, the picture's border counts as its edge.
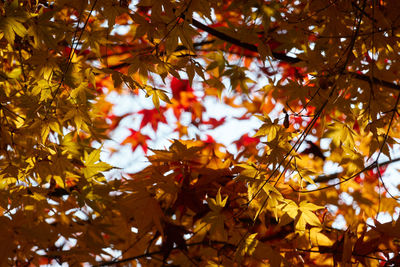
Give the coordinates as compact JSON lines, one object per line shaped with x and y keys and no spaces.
{"x":282,"y":56}
{"x":375,"y":80}
{"x":232,"y":40}
{"x":148,"y":254}
{"x":277,"y":56}
{"x":327,"y":178}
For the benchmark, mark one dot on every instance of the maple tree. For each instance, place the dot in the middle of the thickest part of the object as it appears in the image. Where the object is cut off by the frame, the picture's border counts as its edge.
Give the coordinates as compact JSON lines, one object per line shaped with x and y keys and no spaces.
{"x":320,"y":76}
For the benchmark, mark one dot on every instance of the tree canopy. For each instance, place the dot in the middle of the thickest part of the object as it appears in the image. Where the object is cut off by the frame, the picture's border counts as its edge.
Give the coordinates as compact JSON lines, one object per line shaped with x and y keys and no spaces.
{"x":307,"y":187}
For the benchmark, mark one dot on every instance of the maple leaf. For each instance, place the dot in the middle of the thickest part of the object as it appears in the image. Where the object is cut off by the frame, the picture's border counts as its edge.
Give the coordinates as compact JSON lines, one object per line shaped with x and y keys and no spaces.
{"x":248,"y":246}
{"x":303,"y":214}
{"x":363,"y":248}
{"x":247,"y":141}
{"x":293,"y":73}
{"x":115,"y":120}
{"x":144,"y":218}
{"x":190,"y":199}
{"x":319,"y":238}
{"x":209,"y":139}
{"x":270,"y":129}
{"x":152,"y":117}
{"x":296,"y":65}
{"x":12,"y":23}
{"x":340,"y":134}
{"x":173,"y":235}
{"x":92,"y":165}
{"x":178,"y":86}
{"x":215,"y":218}
{"x":135,"y":139}
{"x":184,"y":99}
{"x":157,"y":94}
{"x":214,"y":123}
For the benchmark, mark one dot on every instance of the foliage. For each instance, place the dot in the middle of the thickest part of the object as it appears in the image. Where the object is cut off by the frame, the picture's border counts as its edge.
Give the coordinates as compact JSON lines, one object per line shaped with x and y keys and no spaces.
{"x":321,"y":77}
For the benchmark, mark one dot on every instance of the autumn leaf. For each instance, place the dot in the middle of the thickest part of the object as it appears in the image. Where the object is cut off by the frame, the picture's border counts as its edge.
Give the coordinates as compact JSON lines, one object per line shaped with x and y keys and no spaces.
{"x":178,"y":86}
{"x":173,"y":235}
{"x":214,"y":123}
{"x":303,"y":214}
{"x":269,"y":129}
{"x":246,"y":141}
{"x":115,"y":120}
{"x":319,"y":238}
{"x":92,"y":165}
{"x":248,"y":245}
{"x":13,"y":23}
{"x":152,"y":117}
{"x":215,"y":218}
{"x":135,"y":139}
{"x":311,"y":184}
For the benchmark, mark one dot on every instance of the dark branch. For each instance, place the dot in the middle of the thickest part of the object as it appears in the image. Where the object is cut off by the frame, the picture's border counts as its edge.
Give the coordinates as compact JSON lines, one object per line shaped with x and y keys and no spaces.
{"x":251,"y":47}
{"x":375,"y":81}
{"x":149,"y":254}
{"x":326,"y":178}
{"x":282,"y":56}
{"x":276,"y":55}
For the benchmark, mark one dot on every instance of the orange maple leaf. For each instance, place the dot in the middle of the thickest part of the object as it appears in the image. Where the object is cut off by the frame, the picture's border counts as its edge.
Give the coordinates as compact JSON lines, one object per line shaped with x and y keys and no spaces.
{"x":135,"y":139}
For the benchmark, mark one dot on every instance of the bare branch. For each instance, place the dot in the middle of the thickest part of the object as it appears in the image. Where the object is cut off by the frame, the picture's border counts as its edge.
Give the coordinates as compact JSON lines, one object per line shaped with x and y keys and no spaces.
{"x":148,"y":254}
{"x":328,"y":177}
{"x":284,"y":57}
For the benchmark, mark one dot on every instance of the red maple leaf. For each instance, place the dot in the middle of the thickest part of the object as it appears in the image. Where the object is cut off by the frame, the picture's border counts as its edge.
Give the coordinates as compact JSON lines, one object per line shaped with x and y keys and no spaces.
{"x":246,"y":141}
{"x":245,"y":116}
{"x":178,"y":86}
{"x":373,"y":175}
{"x":214,"y":123}
{"x":293,"y":73}
{"x":115,"y":120}
{"x":135,"y":139}
{"x":183,"y":97}
{"x":209,"y":139}
{"x":152,"y":117}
